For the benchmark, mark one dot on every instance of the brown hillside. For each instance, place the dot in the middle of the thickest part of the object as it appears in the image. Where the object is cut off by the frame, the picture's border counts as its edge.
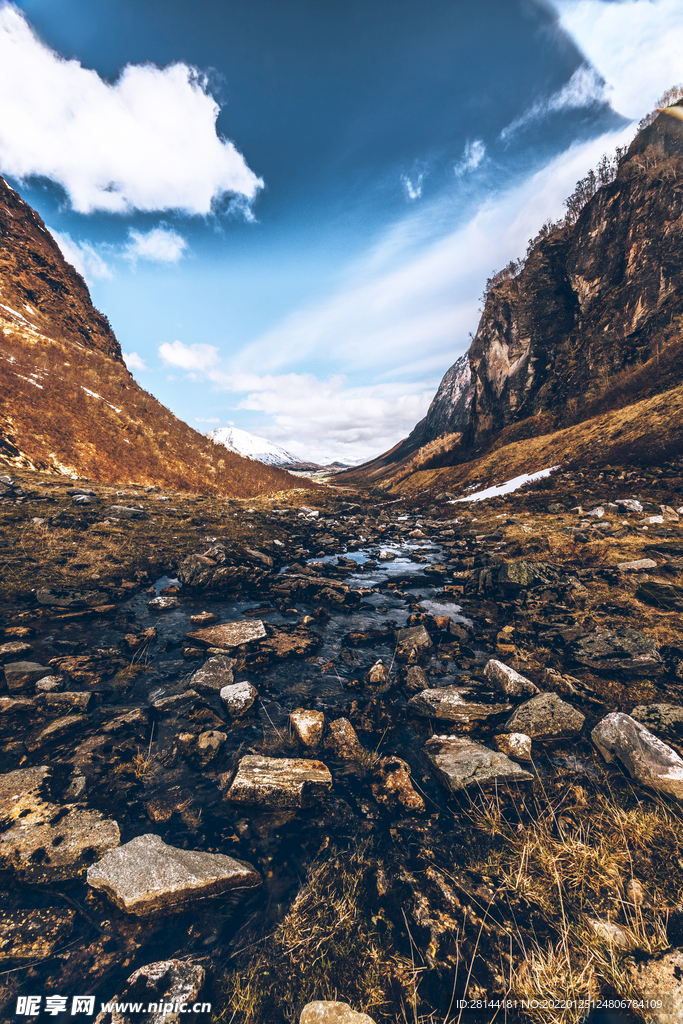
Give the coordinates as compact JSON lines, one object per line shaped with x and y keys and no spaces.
{"x":67,"y":401}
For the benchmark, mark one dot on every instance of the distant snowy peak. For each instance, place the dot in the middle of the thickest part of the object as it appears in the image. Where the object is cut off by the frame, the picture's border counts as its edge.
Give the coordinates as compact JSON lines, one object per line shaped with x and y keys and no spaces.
{"x":252,"y":447}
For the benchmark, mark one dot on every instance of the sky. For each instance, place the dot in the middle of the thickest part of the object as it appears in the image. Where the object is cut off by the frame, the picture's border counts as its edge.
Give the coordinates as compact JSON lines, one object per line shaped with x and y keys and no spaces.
{"x":289,"y":211}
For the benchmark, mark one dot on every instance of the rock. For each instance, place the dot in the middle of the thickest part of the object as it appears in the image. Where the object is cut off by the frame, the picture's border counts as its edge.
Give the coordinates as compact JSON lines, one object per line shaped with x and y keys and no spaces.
{"x":146,"y":875}
{"x":661,"y":978}
{"x":56,"y":844}
{"x":598,"y":512}
{"x":67,"y":598}
{"x":308,"y":727}
{"x":416,"y":679}
{"x":21,"y":676}
{"x":76,"y":789}
{"x":392,"y":786}
{"x":64,"y":703}
{"x":527,"y":575}
{"x":209,"y":745}
{"x":162,"y":807}
{"x":459,"y":763}
{"x":623,"y":650}
{"x":669,"y":514}
{"x":33,"y":934}
{"x":342,"y":740}
{"x":663,"y":595}
{"x":134,"y":641}
{"x":635,"y":893}
{"x":230,"y":634}
{"x":412,"y":642}
{"x":279,"y":782}
{"x":556,"y":508}
{"x":377,"y":678}
{"x":451,"y":703}
{"x":238,"y":698}
{"x":22,"y":793}
{"x":163,"y":604}
{"x":514,"y":744}
{"x":646,"y":759}
{"x":665,"y":719}
{"x":546,"y":717}
{"x":386,"y":556}
{"x":56,"y":730}
{"x":85,"y":499}
{"x":329,"y":1011}
{"x":13,"y":650}
{"x":50,"y":684}
{"x":123,"y":512}
{"x":507,"y":680}
{"x":203,"y":619}
{"x":213,"y":675}
{"x":639,"y":565}
{"x":611,"y":933}
{"x":167,"y":984}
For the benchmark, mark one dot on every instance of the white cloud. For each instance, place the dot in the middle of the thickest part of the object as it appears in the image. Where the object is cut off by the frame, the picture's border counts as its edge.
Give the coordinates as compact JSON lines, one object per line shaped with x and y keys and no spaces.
{"x":472,"y":157}
{"x":81,"y":255}
{"x":412,"y":189}
{"x":134,"y":361}
{"x":584,"y":87}
{"x":635,"y":45}
{"x":199,"y":358}
{"x":160,"y":245}
{"x":147,"y":142}
{"x":206,"y":419}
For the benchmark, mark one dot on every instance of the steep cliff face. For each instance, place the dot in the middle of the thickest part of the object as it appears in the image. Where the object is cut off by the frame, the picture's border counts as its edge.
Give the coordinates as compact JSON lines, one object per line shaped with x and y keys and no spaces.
{"x":67,"y":401}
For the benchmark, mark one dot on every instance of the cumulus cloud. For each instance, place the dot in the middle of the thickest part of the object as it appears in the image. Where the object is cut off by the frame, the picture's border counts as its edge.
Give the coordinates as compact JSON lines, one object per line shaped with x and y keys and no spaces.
{"x":584,"y":87}
{"x":160,"y":245}
{"x":635,"y":45}
{"x":81,"y":255}
{"x":134,"y":361}
{"x":471,"y":158}
{"x":193,"y":358}
{"x":147,"y":142}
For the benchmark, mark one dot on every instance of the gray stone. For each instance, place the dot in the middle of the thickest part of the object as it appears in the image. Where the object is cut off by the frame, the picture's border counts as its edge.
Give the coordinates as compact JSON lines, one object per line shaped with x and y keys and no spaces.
{"x":145,"y":875}
{"x":546,"y":717}
{"x":230,"y":634}
{"x":611,"y":933}
{"x":167,"y":984}
{"x":50,"y":845}
{"x":67,"y":598}
{"x":460,"y":763}
{"x":213,"y":675}
{"x":514,"y":744}
{"x":451,"y":703}
{"x":329,"y":1011}
{"x":622,"y":650}
{"x":163,"y":604}
{"x":639,"y":565}
{"x":13,"y":650}
{"x":647,"y":759}
{"x":124,"y":512}
{"x":661,"y":978}
{"x":527,"y":575}
{"x":308,"y":727}
{"x":238,"y":698}
{"x":50,"y":684}
{"x":412,"y":642}
{"x":663,"y":719}
{"x":629,"y":504}
{"x":507,"y":680}
{"x":664,"y":595}
{"x":21,"y":676}
{"x":279,"y":782}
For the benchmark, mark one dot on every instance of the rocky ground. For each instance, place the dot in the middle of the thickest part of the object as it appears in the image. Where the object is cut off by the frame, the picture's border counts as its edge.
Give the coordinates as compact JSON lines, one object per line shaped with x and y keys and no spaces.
{"x":418,"y":757}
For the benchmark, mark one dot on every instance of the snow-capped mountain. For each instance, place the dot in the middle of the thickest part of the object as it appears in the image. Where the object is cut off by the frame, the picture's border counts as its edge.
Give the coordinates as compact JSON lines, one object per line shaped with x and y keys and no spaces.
{"x":252,"y":447}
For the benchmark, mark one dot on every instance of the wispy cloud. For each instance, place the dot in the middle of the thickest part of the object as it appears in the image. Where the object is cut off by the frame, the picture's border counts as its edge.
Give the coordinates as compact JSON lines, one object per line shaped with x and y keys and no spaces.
{"x":471,"y":158}
{"x":83,"y":256}
{"x":199,"y":358}
{"x":134,"y":361}
{"x":160,"y":245}
{"x":412,"y":187}
{"x":207,"y":419}
{"x":147,"y":142}
{"x":584,"y":88}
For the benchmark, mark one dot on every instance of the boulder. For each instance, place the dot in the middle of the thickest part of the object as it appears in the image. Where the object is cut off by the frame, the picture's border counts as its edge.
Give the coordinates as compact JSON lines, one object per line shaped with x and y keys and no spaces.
{"x":213,"y":675}
{"x":329,"y":1011}
{"x":168,"y":984}
{"x":527,"y":575}
{"x":661,"y":978}
{"x":621,"y":650}
{"x":230,"y":634}
{"x":308,"y":726}
{"x":664,"y":595}
{"x":343,"y":741}
{"x":460,"y":763}
{"x":451,"y":703}
{"x":279,"y":782}
{"x":546,"y":717}
{"x":393,"y":788}
{"x":514,"y":744}
{"x":238,"y":698}
{"x":56,"y":844}
{"x":145,"y":875}
{"x":663,"y":719}
{"x":507,"y":680}
{"x":412,"y":642}
{"x":646,"y":759}
{"x":21,"y":676}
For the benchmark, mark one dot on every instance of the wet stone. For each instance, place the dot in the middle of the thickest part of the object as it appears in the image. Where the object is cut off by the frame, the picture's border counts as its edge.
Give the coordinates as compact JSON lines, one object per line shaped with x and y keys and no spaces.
{"x":392,"y":786}
{"x":645,"y":757}
{"x":13,"y":650}
{"x":67,"y":598}
{"x":203,"y":619}
{"x":21,"y":676}
{"x":460,"y":763}
{"x":163,"y":604}
{"x":59,"y":848}
{"x":279,"y":782}
{"x":546,"y":717}
{"x":209,"y":745}
{"x":214,"y":674}
{"x":507,"y":680}
{"x":308,"y":727}
{"x":238,"y":698}
{"x":145,"y":875}
{"x":161,"y":808}
{"x":452,"y":704}
{"x":230,"y":634}
{"x":412,"y":642}
{"x":343,"y":741}
{"x":167,"y":984}
{"x":64,"y":703}
{"x":33,"y":934}
{"x":50,"y":684}
{"x":58,"y":729}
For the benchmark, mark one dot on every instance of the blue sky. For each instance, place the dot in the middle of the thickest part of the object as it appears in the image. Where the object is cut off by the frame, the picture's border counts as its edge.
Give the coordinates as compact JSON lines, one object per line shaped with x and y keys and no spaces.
{"x":289,"y":211}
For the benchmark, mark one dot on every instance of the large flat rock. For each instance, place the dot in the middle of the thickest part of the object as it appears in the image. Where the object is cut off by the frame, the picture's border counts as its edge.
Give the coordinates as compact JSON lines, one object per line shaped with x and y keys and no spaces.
{"x":22,"y":793}
{"x":21,"y":676}
{"x":230,"y":634}
{"x":645,"y":757}
{"x":213,"y":675}
{"x":451,"y":703}
{"x":279,"y":782}
{"x":145,"y":875}
{"x":58,"y":848}
{"x":546,"y":717}
{"x":620,"y":650}
{"x":458,"y":763}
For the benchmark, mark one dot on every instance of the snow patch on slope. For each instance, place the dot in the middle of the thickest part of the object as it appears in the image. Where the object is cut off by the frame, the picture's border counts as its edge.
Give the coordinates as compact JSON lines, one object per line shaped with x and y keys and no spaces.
{"x":508,"y":487}
{"x":252,"y":447}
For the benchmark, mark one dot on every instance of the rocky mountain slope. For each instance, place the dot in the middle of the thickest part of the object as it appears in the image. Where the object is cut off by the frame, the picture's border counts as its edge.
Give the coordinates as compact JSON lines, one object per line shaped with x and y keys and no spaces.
{"x":592,"y":322}
{"x":68,"y":402}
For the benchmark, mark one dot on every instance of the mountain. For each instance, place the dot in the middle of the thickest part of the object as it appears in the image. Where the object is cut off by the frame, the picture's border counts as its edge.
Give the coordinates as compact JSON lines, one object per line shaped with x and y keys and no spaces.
{"x":68,"y":403}
{"x":590,"y":325}
{"x":252,"y":447}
